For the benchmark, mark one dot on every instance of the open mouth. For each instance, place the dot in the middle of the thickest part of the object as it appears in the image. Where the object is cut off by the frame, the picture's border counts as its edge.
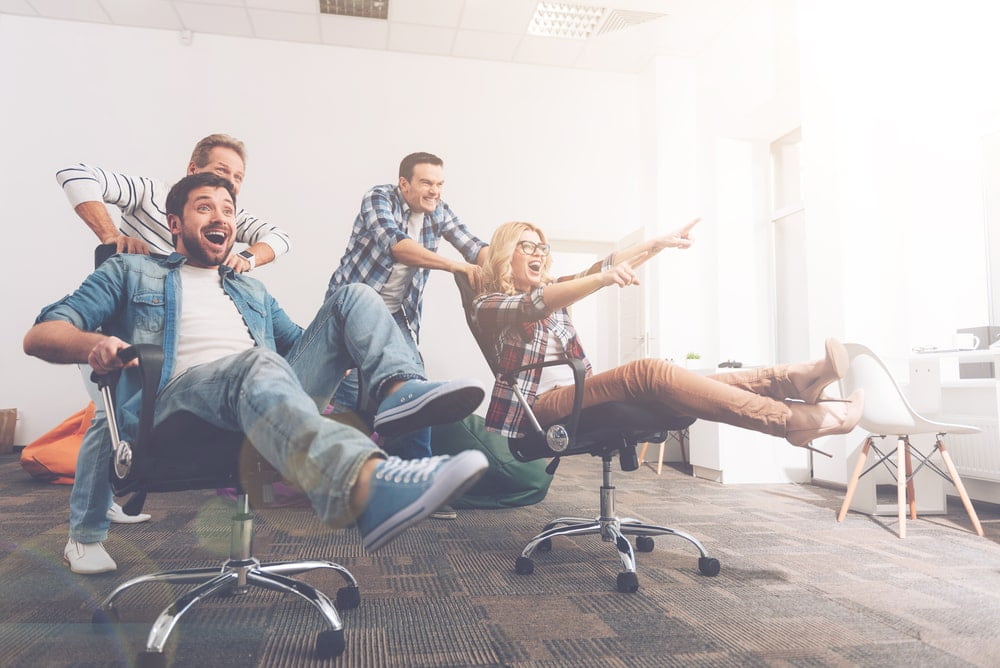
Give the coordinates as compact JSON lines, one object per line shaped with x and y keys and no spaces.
{"x":216,"y":237}
{"x":535,"y":266}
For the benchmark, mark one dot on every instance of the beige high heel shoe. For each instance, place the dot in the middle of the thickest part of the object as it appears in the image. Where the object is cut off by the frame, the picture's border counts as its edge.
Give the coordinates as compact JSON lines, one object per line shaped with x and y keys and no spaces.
{"x":811,"y":421}
{"x":834,"y":367}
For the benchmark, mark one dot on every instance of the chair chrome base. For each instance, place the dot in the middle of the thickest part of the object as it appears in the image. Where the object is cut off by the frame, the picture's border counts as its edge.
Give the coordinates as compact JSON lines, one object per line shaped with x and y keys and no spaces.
{"x":611,"y":529}
{"x":236,"y":576}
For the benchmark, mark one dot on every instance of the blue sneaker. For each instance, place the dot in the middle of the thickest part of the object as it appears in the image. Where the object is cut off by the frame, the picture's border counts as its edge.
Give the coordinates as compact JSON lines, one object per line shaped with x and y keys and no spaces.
{"x":423,"y":403}
{"x":406,"y":491}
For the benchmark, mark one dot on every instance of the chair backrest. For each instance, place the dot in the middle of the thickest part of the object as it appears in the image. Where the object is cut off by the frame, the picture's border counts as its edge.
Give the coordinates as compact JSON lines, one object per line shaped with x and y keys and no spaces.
{"x":886,"y":409}
{"x":486,"y":345}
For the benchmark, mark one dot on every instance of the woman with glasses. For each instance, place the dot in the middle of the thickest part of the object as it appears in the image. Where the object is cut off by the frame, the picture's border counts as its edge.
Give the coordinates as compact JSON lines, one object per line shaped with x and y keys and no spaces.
{"x":525,"y":310}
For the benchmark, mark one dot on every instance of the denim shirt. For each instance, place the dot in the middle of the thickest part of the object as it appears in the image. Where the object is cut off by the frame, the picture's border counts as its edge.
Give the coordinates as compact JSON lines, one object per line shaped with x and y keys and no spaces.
{"x":137,"y":298}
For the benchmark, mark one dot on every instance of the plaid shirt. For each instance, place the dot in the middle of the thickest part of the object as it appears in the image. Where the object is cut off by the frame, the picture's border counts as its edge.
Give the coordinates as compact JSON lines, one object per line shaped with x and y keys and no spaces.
{"x":379,"y":226}
{"x":523,"y":326}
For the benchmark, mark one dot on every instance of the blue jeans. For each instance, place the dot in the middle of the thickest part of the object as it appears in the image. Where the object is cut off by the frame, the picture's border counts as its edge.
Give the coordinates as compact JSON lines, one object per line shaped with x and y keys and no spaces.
{"x":276,"y":402}
{"x":413,"y":445}
{"x":91,"y":496}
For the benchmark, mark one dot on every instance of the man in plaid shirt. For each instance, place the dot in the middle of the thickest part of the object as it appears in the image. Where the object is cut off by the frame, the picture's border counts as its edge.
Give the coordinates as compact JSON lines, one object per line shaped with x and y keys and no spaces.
{"x":393,"y":247}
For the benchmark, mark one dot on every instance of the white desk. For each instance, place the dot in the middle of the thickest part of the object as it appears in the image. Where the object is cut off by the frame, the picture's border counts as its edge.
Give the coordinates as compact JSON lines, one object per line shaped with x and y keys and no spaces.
{"x":937,"y":392}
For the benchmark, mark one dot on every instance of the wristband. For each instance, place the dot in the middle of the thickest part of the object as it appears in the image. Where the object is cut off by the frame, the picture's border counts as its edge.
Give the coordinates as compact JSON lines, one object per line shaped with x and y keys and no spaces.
{"x":249,"y":257}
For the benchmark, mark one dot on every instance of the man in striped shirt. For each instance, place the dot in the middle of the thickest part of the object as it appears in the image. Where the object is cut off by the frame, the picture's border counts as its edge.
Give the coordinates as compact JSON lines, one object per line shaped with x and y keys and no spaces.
{"x":144,"y":230}
{"x":141,"y":201}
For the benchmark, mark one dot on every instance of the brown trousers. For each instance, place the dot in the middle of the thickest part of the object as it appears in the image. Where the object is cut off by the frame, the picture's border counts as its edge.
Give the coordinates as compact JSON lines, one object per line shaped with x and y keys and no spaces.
{"x":749,"y":399}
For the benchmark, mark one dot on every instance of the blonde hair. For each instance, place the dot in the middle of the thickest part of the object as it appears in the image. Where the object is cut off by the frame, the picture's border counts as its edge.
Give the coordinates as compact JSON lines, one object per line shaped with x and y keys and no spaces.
{"x":498,"y":273}
{"x":201,"y":150}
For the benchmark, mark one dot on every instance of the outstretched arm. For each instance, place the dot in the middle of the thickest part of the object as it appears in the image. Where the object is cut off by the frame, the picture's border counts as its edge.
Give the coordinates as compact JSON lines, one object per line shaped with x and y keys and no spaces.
{"x":412,"y":254}
{"x":638,"y":253}
{"x":566,"y":292}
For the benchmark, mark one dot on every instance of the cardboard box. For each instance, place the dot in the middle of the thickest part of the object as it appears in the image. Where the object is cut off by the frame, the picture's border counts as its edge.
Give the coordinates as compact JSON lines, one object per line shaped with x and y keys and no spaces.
{"x":8,"y":421}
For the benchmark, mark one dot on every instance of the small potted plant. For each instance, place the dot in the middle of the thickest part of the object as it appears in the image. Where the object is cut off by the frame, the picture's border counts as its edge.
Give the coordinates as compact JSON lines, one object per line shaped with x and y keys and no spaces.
{"x":691,"y":360}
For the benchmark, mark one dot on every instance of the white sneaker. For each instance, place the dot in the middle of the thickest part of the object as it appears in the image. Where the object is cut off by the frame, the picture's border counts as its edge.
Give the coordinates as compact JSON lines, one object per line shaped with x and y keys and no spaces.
{"x":88,"y":558}
{"x":117,"y":515}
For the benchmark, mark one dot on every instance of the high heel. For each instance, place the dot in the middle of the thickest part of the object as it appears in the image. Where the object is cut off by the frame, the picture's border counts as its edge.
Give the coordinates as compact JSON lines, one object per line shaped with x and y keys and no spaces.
{"x":808,"y":422}
{"x":834,"y":367}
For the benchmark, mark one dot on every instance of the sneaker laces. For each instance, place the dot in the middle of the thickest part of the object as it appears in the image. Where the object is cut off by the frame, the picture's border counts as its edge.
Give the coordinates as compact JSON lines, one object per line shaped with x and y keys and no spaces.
{"x":395,"y":469}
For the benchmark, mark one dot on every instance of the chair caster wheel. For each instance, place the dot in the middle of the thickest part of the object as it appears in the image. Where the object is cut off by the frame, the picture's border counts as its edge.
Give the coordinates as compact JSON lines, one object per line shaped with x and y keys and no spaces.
{"x":348,"y":598}
{"x":628,"y":583}
{"x":524,"y":566}
{"x":544,"y":546}
{"x":149,"y":659}
{"x":644,"y":543}
{"x":709,"y":566}
{"x":330,"y":643}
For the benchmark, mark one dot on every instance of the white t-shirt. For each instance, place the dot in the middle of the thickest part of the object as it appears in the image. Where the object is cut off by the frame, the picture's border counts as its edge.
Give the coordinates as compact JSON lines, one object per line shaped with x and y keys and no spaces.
{"x":211,"y":326}
{"x":396,"y":286}
{"x":558,"y":375}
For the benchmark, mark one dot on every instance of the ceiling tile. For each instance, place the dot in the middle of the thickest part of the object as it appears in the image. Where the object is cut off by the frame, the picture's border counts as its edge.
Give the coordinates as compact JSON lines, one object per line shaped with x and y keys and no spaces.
{"x":286,"y":26}
{"x":351,"y":31}
{"x":624,"y":51}
{"x":420,"y":39}
{"x":443,"y":13}
{"x":488,"y":45}
{"x":142,"y":13}
{"x":216,"y":19}
{"x":510,"y":16}
{"x":549,"y":51}
{"x":74,"y":10}
{"x":17,"y":7}
{"x":300,"y":6}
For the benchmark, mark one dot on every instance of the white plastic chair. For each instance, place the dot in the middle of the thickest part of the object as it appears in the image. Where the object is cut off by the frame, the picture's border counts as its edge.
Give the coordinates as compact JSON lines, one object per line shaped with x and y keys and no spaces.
{"x":888,"y":413}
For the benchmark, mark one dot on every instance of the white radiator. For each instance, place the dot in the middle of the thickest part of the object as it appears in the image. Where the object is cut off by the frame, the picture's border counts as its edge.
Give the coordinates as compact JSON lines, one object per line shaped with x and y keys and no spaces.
{"x":975,"y":455}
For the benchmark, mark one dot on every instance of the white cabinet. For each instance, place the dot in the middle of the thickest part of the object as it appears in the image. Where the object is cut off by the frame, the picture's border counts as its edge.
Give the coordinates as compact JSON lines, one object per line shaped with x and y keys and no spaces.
{"x":731,"y":455}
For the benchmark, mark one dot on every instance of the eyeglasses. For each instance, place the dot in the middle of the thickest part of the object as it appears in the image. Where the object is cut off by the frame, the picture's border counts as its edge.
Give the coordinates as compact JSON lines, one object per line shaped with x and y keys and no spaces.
{"x":532,"y":248}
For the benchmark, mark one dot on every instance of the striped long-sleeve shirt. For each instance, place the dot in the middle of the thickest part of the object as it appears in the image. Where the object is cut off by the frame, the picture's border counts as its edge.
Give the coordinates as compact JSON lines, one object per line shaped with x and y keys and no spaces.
{"x":142,"y":202}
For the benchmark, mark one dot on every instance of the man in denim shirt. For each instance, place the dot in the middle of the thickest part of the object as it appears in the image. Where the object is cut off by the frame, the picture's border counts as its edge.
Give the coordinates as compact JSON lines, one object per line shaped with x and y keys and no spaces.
{"x":392,"y":248}
{"x":233,"y":357}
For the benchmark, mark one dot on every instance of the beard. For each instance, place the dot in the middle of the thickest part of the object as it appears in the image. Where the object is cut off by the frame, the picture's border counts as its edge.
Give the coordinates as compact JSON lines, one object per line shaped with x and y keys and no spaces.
{"x":196,"y":249}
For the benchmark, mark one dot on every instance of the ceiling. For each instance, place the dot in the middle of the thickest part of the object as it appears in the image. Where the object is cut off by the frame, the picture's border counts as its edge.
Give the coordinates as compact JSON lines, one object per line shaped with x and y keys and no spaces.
{"x":479,"y":29}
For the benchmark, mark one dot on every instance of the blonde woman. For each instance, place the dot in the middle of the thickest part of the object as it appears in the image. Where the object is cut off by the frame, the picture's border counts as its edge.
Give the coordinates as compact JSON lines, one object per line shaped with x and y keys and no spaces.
{"x":525,"y":310}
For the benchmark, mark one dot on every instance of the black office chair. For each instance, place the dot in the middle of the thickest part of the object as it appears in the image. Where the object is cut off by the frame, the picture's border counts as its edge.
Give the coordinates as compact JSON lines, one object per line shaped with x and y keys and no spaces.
{"x":183,"y":453}
{"x":604,"y":430}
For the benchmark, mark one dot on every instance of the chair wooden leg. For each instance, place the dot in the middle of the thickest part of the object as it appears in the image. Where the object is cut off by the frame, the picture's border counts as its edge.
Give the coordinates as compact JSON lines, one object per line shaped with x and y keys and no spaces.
{"x":911,"y":493}
{"x":901,"y":485}
{"x":959,"y":486}
{"x":852,"y":484}
{"x":659,"y":460}
{"x":642,"y":453}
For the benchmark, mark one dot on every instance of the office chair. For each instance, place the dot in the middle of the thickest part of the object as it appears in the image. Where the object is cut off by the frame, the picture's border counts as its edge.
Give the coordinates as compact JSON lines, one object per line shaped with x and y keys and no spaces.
{"x":888,"y":413}
{"x":605,"y":430}
{"x":184,"y":452}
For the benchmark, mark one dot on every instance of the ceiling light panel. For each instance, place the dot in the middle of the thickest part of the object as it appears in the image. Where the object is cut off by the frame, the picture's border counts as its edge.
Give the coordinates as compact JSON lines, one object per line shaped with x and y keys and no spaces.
{"x":559,"y":19}
{"x":365,"y":9}
{"x":619,"y":19}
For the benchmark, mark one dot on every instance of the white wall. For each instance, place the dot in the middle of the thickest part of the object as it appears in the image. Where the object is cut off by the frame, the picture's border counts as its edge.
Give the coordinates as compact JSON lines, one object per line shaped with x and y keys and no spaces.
{"x":892,"y":102}
{"x":322,"y":124}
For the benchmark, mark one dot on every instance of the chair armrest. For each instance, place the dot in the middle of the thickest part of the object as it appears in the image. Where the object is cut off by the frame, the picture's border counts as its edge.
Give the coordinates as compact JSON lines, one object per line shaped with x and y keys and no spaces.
{"x":579,"y":373}
{"x":150,"y":367}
